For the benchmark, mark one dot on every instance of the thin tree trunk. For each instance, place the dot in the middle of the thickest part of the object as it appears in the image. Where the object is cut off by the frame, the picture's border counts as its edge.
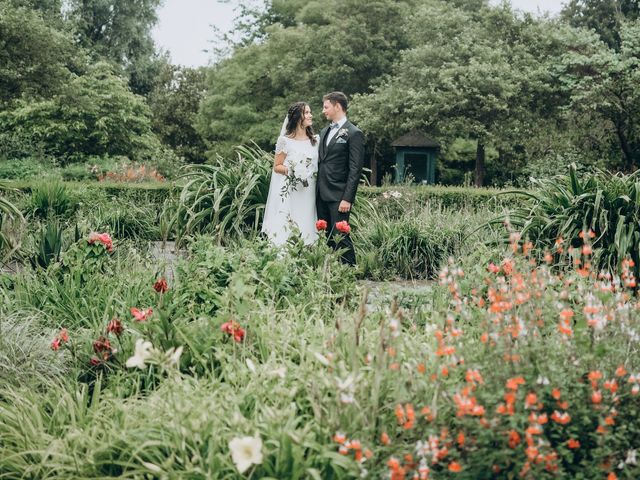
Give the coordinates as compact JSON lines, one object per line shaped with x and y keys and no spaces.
{"x":481,"y":168}
{"x":373,"y":178}
{"x":624,"y":145}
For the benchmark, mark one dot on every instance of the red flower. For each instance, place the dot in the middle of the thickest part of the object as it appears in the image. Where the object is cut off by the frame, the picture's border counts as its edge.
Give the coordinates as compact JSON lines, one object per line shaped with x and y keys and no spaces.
{"x":141,"y":315}
{"x":94,"y":361}
{"x":161,"y":285}
{"x":321,"y":225}
{"x":343,"y":227}
{"x":102,"y":345}
{"x":55,"y":344}
{"x":233,"y":328}
{"x":455,"y":467}
{"x":103,"y":238}
{"x":115,"y":326}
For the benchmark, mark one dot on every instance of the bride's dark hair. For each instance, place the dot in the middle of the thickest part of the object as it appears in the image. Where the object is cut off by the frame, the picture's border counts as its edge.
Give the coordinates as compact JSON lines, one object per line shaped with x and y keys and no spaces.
{"x":296,"y":117}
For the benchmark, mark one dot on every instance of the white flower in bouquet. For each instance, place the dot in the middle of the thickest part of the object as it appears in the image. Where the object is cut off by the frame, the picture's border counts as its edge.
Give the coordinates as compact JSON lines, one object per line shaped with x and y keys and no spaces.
{"x":301,"y":170}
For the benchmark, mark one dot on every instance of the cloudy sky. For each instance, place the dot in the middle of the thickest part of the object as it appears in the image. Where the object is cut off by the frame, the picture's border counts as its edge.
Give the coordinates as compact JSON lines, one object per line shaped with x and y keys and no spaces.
{"x":185,"y":26}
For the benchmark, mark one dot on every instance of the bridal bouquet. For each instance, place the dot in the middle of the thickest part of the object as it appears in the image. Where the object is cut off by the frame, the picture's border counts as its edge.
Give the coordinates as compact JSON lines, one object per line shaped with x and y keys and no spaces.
{"x":301,"y":170}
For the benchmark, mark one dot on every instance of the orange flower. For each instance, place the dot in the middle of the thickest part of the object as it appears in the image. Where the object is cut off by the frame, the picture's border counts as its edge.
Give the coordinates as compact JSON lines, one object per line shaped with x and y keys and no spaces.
{"x":612,"y":476}
{"x":561,"y":418}
{"x":555,"y":393}
{"x":393,"y":463}
{"x":426,"y":413}
{"x":609,"y":420}
{"x":455,"y":467}
{"x":596,"y":396}
{"x":530,"y":400}
{"x":513,"y":383}
{"x":421,"y":368}
{"x":621,"y":371}
{"x":339,"y":437}
{"x":565,"y":328}
{"x":593,"y":377}
{"x":400,"y":416}
{"x":514,"y":439}
{"x":573,"y":444}
{"x":460,"y":439}
{"x":411,"y":416}
{"x":384,"y":438}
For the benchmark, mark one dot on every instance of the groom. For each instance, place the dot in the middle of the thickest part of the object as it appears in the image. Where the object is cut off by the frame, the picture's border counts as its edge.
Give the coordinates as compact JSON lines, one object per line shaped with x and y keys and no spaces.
{"x":340,"y":161}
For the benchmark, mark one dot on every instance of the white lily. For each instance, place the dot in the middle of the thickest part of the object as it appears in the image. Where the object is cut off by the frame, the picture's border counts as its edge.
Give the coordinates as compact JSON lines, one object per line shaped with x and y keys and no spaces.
{"x":142,"y":353}
{"x":246,"y":451}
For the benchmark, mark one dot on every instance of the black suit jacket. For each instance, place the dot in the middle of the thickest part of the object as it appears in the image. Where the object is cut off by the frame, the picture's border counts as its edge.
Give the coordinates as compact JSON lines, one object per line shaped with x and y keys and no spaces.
{"x":340,"y":163}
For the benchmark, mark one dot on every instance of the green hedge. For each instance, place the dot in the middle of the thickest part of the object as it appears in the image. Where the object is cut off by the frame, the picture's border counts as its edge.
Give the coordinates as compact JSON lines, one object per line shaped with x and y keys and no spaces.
{"x":139,"y":193}
{"x":451,"y":197}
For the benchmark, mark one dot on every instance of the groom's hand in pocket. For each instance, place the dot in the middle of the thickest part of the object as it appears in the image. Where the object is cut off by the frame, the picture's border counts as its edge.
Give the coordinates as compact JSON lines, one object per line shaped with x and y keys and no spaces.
{"x":344,"y":206}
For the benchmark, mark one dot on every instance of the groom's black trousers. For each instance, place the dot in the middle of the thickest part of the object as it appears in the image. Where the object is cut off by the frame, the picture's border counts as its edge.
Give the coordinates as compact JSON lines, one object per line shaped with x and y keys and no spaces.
{"x":328,"y":211}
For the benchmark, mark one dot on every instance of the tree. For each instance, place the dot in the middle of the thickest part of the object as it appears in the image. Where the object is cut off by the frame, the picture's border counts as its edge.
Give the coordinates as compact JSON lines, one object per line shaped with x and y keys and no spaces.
{"x":94,"y":114}
{"x":471,"y":75}
{"x":332,"y":45}
{"x":602,"y":82}
{"x":35,"y":59}
{"x":174,"y":104}
{"x":605,"y":17}
{"x":119,"y":31}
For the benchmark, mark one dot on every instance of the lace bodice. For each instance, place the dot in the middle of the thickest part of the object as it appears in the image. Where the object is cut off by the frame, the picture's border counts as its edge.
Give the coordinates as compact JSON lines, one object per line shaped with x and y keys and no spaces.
{"x":298,"y":147}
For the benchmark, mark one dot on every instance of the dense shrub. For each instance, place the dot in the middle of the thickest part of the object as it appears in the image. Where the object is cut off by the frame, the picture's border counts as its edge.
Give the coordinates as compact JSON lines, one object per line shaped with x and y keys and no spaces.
{"x":95,"y":114}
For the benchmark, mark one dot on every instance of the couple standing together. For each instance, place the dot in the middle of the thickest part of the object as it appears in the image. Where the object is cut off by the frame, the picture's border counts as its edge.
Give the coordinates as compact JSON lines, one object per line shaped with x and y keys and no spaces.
{"x":315,"y":177}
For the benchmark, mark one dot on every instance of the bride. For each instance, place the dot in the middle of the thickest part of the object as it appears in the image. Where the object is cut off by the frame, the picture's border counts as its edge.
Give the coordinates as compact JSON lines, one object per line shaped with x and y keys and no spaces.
{"x":291,"y":204}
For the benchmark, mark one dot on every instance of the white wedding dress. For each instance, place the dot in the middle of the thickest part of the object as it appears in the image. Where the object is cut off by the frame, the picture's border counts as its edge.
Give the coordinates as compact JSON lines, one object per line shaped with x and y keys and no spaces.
{"x":296,"y":207}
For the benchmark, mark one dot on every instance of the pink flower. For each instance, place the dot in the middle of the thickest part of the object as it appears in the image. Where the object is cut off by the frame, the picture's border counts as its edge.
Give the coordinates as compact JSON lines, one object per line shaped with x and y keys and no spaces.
{"x":233,"y":328}
{"x":343,"y":227}
{"x":321,"y":225}
{"x":103,"y":238}
{"x":61,"y":337}
{"x":64,"y":335}
{"x":141,"y":315}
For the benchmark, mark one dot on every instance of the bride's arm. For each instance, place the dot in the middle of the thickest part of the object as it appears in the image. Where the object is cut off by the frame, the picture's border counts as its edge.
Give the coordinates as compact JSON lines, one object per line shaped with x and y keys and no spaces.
{"x":281,"y":154}
{"x":278,"y":164}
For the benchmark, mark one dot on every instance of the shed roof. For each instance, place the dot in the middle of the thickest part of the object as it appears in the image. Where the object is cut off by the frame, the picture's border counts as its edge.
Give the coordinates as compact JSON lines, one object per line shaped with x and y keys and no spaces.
{"x":415,"y":138}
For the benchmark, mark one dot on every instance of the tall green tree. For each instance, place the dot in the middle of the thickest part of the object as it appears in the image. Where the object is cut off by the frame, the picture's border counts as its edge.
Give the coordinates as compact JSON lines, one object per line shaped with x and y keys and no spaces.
{"x":603,"y":16}
{"x":119,"y":31}
{"x":470,"y":75}
{"x":330,"y":45}
{"x":602,"y":82}
{"x":174,"y":104}
{"x":36,"y":59}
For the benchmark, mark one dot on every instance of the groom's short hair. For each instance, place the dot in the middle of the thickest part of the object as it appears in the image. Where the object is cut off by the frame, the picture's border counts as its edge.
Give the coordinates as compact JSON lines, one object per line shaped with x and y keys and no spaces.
{"x":337,"y":97}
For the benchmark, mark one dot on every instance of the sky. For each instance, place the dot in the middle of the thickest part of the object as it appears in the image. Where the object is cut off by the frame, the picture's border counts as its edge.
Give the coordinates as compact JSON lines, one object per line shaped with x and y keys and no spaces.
{"x":185,"y":27}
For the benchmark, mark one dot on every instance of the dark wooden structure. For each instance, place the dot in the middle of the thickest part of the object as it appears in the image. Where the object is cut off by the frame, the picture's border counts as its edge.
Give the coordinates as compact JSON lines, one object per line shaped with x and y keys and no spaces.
{"x":416,"y":155}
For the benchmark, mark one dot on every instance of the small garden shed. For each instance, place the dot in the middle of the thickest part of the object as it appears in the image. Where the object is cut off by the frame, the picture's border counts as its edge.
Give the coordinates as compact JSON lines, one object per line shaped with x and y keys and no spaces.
{"x":416,"y":155}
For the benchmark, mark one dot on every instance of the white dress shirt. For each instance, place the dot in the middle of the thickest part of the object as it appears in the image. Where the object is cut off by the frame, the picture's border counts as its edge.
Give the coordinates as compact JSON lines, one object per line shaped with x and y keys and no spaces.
{"x":334,"y":131}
